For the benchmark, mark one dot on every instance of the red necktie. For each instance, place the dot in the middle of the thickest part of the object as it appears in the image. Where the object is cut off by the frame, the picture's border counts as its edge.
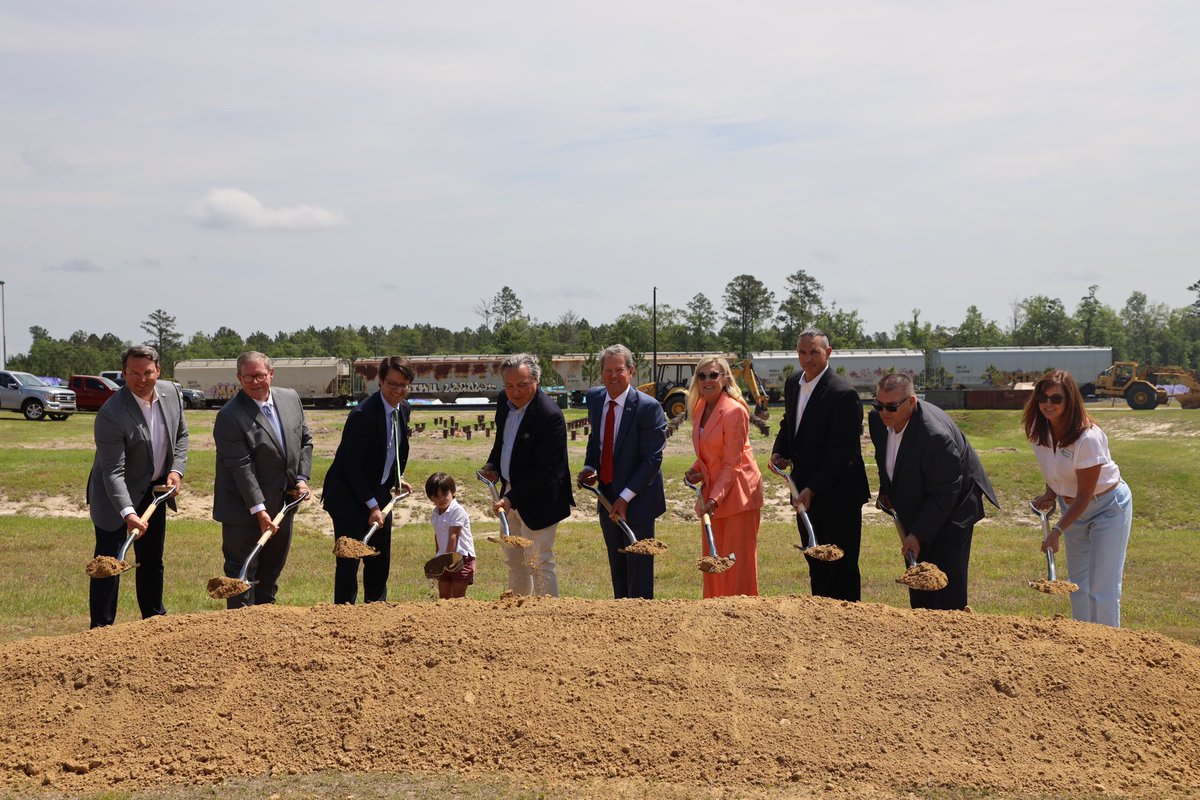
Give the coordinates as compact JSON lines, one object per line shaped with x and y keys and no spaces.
{"x":606,"y":465}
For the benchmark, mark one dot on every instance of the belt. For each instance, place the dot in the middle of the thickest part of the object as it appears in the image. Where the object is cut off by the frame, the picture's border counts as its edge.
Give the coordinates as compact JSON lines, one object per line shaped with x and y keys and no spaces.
{"x":1101,"y":494}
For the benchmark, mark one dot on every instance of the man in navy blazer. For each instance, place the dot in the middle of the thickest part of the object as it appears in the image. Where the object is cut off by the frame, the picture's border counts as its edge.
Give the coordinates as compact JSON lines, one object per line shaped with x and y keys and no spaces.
{"x":629,"y":472}
{"x":931,"y":476}
{"x":529,"y":457}
{"x":141,"y":442}
{"x":368,"y":465}
{"x":264,"y":458}
{"x":819,"y":438}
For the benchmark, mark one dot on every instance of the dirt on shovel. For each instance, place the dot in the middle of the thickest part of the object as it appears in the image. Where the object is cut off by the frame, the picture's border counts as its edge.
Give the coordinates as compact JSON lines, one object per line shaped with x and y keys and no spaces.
{"x":106,"y":567}
{"x":924,"y":577}
{"x":822,"y":552}
{"x":345,"y":547}
{"x":512,"y":541}
{"x":1054,"y":587}
{"x":714,"y":564}
{"x":645,"y":547}
{"x":222,"y":588}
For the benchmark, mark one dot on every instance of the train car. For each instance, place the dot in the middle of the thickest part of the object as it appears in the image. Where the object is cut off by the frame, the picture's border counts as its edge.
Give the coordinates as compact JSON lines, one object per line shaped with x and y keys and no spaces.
{"x":323,"y":382}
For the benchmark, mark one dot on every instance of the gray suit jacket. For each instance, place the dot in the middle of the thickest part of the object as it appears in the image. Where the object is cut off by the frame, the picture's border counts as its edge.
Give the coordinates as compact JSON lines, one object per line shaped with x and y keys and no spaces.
{"x":124,"y":464}
{"x":251,"y":468}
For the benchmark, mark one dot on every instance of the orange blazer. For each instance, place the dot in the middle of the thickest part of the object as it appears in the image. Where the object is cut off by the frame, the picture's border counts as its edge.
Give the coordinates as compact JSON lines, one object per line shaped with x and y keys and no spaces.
{"x":723,"y":455}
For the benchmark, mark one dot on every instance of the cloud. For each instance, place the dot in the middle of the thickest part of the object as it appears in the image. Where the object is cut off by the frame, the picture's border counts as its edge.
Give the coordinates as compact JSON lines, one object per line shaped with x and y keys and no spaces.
{"x":75,"y":265}
{"x":43,"y":160}
{"x":233,"y":209}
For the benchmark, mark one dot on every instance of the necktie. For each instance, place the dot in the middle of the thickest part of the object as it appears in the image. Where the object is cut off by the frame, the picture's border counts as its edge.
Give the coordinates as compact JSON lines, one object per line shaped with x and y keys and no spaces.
{"x":606,"y":454}
{"x":269,"y":413}
{"x":393,"y":447}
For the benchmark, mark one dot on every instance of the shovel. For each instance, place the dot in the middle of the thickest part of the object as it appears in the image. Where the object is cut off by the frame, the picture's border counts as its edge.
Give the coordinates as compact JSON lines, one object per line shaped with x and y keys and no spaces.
{"x":435,"y":566}
{"x":1052,"y":585}
{"x":222,"y":588}
{"x":922,"y":576}
{"x":107,"y":566}
{"x":637,"y":547}
{"x":712,"y":563}
{"x":821,"y":552}
{"x":511,"y":541}
{"x":346,"y":547}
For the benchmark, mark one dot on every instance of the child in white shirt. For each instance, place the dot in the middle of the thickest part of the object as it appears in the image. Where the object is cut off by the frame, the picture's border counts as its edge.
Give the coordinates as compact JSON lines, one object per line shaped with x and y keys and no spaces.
{"x":451,"y":534}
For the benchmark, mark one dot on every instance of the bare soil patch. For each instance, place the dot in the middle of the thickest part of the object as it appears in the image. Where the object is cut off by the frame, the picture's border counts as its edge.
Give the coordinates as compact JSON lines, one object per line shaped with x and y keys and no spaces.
{"x":749,"y":692}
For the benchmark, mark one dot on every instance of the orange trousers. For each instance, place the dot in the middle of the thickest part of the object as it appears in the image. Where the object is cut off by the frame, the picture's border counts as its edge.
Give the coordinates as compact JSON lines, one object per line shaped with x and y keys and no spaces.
{"x":737,"y":533}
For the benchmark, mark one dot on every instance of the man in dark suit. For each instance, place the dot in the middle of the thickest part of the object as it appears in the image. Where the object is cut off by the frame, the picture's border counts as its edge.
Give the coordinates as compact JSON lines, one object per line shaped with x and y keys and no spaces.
{"x":141,"y":442}
{"x":624,"y":454}
{"x":931,"y":476}
{"x":264,"y":456}
{"x":529,"y":457}
{"x":819,"y":440}
{"x":369,"y":463}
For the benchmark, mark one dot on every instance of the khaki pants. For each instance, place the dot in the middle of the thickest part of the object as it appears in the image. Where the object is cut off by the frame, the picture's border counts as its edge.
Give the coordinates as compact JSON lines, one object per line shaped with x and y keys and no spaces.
{"x":531,"y":569}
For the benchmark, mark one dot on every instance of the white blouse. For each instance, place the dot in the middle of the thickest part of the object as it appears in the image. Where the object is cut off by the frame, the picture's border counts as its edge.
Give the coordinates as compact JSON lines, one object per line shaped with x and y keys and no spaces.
{"x":1059,"y":464}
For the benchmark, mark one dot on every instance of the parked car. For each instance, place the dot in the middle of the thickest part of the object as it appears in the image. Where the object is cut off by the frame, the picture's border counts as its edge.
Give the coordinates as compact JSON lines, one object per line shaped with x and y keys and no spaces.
{"x":192,"y":398}
{"x":91,"y":391}
{"x":33,"y":397}
{"x":114,"y":375}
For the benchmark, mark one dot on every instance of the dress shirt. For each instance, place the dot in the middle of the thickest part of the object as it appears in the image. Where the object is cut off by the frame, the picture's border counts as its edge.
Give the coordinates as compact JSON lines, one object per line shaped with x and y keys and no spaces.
{"x":156,"y":423}
{"x":617,"y":410}
{"x":274,"y":418}
{"x":806,"y":390}
{"x":893,"y":448}
{"x":511,"y":424}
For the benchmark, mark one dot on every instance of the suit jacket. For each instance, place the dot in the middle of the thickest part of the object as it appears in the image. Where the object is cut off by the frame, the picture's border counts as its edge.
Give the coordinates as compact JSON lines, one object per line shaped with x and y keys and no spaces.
{"x":540,"y":490}
{"x":825,"y":451}
{"x":724,"y":456}
{"x":938,"y":482}
{"x":123,"y":467}
{"x":251,"y":468}
{"x":354,"y":476}
{"x":637,"y":451}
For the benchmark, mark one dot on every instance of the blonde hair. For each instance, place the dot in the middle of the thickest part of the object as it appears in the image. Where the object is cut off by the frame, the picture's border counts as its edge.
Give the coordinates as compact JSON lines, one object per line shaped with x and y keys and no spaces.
{"x":730,"y":388}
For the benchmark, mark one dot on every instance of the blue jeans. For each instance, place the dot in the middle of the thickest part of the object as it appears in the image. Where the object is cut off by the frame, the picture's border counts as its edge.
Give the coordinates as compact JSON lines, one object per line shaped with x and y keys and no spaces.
{"x":1096,"y":555}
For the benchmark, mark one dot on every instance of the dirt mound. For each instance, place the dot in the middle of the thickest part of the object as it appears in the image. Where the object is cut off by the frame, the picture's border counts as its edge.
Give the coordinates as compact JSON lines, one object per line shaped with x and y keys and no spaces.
{"x":752,"y":692}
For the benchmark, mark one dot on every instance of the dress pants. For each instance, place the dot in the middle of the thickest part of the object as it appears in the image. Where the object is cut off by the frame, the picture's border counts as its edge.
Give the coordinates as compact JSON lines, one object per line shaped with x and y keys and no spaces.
{"x":263,"y":576}
{"x":950,"y":552}
{"x":737,"y":534}
{"x":632,"y":575}
{"x":531,"y":570}
{"x":375,"y":569}
{"x":147,"y":577}
{"x":843,"y":527}
{"x":1096,"y":546}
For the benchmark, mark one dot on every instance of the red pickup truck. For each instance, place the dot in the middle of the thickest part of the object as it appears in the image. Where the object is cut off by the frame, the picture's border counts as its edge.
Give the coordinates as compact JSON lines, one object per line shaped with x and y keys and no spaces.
{"x":91,"y":391}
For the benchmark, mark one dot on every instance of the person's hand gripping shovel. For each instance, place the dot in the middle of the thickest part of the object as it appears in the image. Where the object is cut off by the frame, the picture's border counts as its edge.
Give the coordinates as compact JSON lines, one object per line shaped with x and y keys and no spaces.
{"x":107,"y":566}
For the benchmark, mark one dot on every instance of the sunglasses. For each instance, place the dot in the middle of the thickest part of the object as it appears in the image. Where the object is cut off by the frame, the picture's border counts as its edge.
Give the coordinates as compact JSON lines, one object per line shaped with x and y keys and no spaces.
{"x":891,"y":408}
{"x":1052,"y":399}
{"x":708,"y":376}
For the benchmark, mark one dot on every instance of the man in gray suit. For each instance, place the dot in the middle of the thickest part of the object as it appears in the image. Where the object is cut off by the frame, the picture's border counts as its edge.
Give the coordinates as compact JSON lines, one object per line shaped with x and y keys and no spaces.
{"x":141,"y":442}
{"x":264,"y":455}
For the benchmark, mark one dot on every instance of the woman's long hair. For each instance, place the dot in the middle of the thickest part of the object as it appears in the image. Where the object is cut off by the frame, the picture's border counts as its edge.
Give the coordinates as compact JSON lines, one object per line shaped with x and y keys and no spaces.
{"x":730,"y":388}
{"x":1037,"y":427}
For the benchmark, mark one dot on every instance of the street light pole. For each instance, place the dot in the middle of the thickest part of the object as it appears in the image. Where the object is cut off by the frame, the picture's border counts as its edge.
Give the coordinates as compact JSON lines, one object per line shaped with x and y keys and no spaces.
{"x":3,"y":331}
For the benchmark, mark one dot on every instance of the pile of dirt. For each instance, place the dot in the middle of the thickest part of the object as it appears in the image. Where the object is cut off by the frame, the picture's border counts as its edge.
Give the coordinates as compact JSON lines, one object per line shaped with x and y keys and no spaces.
{"x":751,"y":692}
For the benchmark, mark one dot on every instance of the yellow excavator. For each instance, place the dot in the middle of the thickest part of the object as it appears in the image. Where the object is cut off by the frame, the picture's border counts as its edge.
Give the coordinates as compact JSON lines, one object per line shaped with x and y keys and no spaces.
{"x":670,"y":385}
{"x":1140,"y":385}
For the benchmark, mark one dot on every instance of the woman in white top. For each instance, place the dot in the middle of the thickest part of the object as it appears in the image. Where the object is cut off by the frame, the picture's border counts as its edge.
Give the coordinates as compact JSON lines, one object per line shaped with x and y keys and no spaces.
{"x":1096,"y":505}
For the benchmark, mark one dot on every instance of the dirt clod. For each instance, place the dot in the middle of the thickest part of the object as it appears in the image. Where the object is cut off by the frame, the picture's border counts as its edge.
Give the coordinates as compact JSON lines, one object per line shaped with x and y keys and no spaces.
{"x":822,"y":552}
{"x":223,"y":588}
{"x":105,"y":567}
{"x":714,"y":564}
{"x":924,"y":577}
{"x":512,"y":541}
{"x":345,"y":547}
{"x":645,"y":547}
{"x":1054,"y":587}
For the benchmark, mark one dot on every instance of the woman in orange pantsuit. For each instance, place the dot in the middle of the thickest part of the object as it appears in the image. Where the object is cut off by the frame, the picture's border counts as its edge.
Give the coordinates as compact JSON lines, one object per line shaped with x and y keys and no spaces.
{"x":733,"y":491}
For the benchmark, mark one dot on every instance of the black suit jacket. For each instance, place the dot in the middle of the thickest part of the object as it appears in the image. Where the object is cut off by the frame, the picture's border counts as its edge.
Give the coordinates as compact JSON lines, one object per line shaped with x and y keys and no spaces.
{"x":826,"y":452}
{"x":541,"y":478}
{"x":938,"y":482}
{"x":353,"y":477}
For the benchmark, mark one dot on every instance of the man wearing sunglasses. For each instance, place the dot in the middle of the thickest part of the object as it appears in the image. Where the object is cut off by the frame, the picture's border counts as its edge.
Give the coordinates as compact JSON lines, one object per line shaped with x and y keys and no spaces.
{"x":930,"y":475}
{"x":819,"y":440}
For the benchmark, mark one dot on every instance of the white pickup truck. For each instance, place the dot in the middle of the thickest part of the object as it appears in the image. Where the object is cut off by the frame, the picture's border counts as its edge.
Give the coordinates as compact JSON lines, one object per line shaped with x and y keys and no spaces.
{"x":33,"y":397}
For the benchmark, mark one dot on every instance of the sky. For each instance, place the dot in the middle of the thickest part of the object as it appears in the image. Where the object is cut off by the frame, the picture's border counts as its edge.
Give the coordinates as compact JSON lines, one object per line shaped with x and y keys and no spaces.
{"x":274,"y":165}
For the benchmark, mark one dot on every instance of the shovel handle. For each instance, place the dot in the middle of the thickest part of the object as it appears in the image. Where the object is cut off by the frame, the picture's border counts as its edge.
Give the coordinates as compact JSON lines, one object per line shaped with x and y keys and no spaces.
{"x":629,"y":534}
{"x":1051,"y":573}
{"x":396,"y":496}
{"x":812,"y":537}
{"x":269,"y":532}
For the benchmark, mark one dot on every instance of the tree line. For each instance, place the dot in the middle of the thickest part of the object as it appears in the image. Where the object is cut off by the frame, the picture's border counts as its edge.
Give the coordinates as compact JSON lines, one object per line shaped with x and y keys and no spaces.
{"x":750,"y":318}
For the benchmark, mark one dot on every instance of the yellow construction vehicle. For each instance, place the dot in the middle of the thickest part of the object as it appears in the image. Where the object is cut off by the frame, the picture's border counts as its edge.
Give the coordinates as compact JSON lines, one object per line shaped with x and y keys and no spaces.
{"x":1140,"y":385}
{"x":670,"y":385}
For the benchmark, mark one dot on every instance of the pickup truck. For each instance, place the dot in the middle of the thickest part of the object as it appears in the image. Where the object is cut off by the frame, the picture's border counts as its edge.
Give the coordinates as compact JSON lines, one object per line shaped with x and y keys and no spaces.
{"x":33,"y":397}
{"x":91,"y":391}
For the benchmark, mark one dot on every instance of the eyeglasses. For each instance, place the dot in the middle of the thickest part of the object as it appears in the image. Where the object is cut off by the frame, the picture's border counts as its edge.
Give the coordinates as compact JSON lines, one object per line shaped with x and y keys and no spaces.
{"x":891,"y":408}
{"x":708,"y":376}
{"x":261,"y":377}
{"x":1052,"y":399}
{"x":396,"y":387}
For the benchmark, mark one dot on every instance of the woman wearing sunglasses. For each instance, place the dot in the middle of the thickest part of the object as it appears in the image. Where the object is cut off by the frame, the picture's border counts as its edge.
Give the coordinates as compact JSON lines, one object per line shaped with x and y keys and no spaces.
{"x":733,"y":490}
{"x":1096,"y":505}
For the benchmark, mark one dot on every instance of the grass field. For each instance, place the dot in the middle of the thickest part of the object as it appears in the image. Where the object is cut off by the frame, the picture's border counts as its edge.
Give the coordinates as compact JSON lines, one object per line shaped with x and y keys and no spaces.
{"x":43,"y":590}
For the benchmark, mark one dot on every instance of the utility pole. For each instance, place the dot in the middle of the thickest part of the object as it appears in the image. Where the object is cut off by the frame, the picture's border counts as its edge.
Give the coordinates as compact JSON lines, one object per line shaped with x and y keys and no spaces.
{"x":3,"y":331}
{"x":654,"y":340}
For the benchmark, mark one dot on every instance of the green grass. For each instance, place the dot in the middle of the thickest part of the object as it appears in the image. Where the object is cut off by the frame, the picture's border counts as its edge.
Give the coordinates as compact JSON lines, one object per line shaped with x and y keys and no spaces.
{"x":43,"y":590}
